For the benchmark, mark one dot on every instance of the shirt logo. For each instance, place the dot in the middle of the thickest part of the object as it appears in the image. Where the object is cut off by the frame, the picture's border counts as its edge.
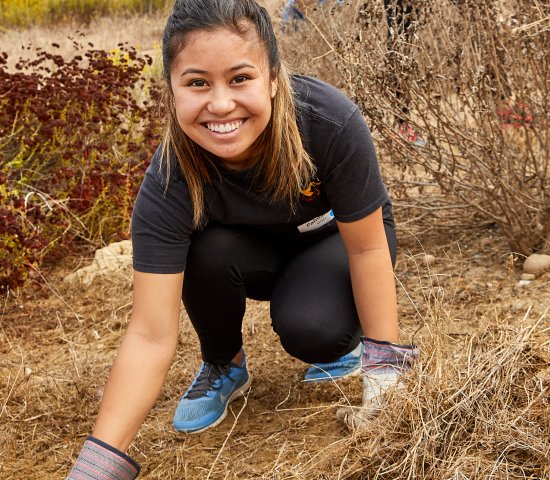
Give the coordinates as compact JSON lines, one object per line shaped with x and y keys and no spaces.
{"x":312,"y":191}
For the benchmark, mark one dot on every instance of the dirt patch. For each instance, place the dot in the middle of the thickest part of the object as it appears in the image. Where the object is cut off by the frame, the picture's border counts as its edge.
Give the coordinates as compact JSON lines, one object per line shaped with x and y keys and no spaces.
{"x":57,"y":345}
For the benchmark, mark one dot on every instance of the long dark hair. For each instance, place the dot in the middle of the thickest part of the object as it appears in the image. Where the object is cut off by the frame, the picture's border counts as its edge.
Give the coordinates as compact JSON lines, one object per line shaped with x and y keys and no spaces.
{"x":283,"y":165}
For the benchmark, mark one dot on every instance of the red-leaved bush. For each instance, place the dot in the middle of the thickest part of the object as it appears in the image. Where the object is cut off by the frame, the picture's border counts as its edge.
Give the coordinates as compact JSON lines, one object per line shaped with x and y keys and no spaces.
{"x":75,"y":137}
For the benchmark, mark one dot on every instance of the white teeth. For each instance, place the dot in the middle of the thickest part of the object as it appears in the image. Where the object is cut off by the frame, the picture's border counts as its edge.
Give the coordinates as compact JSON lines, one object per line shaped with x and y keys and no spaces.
{"x":224,"y":127}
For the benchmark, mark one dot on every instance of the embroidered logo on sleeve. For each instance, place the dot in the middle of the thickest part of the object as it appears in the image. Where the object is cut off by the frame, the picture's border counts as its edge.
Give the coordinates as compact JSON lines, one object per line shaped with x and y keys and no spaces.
{"x":316,"y":222}
{"x":312,"y":191}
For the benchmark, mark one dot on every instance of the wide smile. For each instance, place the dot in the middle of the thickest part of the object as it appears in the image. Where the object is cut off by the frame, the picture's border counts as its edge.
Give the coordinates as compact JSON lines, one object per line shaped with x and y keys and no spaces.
{"x":225,"y":127}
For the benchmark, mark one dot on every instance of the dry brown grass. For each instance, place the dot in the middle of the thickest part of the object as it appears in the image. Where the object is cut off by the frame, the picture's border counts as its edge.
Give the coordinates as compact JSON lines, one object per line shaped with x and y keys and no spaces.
{"x":105,"y":33}
{"x":475,"y":407}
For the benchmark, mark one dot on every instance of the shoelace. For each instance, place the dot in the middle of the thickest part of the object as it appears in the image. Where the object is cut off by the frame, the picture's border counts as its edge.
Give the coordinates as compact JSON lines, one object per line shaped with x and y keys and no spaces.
{"x":207,"y":378}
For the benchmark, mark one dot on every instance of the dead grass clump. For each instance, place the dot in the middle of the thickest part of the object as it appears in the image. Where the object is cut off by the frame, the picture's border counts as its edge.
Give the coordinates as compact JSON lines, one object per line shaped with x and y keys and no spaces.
{"x":477,"y":402}
{"x":477,"y":408}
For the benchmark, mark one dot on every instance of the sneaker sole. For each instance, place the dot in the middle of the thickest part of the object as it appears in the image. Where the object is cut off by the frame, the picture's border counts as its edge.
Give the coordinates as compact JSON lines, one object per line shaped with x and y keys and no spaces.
{"x":332,"y":378}
{"x":236,"y":394}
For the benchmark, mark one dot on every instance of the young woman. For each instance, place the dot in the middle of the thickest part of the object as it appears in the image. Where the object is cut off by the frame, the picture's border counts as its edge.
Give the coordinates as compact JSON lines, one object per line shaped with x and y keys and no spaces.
{"x":265,"y":186}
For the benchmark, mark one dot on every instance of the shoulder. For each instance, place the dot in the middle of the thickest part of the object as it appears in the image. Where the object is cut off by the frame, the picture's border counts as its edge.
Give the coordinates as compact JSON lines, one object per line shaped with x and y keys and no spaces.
{"x":321,"y":101}
{"x":164,"y":185}
{"x":164,"y":167}
{"x":332,"y":127}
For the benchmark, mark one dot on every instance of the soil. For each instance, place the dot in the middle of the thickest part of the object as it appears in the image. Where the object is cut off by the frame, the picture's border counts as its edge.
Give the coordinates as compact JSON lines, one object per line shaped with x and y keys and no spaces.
{"x":58,"y":342}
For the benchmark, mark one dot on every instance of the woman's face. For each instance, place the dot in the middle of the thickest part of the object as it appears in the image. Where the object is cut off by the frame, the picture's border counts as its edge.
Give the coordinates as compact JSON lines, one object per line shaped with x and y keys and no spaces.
{"x":222,"y":91}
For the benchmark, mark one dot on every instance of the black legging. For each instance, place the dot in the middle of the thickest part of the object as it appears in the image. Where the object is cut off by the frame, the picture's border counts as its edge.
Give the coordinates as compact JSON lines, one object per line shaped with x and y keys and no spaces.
{"x":309,"y":285}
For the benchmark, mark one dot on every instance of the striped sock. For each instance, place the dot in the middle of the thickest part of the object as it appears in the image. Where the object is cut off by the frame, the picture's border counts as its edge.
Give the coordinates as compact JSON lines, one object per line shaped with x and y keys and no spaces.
{"x":99,"y":461}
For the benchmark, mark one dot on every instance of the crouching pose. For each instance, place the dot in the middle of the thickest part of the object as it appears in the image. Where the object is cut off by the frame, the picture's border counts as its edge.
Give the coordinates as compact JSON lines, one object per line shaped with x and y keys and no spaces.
{"x":266,"y":186}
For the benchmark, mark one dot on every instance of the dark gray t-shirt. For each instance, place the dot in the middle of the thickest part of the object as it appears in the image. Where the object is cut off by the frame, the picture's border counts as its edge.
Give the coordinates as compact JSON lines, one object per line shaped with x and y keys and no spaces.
{"x":348,"y":186}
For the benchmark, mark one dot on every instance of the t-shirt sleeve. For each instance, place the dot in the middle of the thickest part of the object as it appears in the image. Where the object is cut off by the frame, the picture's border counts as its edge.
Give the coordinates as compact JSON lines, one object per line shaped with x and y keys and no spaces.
{"x":162,"y":222}
{"x":352,"y":178}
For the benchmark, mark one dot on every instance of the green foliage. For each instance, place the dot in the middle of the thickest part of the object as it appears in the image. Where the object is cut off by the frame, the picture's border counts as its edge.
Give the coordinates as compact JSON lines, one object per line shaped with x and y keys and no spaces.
{"x":23,"y":13}
{"x":75,"y":141}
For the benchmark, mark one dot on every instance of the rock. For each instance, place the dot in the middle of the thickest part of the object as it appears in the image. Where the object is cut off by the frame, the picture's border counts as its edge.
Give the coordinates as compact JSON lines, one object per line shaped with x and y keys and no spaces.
{"x":518,"y":306}
{"x":528,"y":276}
{"x":485,"y":242}
{"x":99,"y":393}
{"x":112,"y":258}
{"x":523,"y":283}
{"x":536,"y":263}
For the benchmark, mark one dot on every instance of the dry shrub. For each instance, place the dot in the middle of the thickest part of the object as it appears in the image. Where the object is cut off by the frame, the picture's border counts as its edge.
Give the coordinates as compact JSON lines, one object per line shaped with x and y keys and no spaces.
{"x":476,"y":407}
{"x":472,"y":77}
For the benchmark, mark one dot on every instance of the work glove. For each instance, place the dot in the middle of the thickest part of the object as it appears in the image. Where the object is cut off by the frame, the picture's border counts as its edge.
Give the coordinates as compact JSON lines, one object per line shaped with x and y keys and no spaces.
{"x":99,"y":461}
{"x":382,"y":365}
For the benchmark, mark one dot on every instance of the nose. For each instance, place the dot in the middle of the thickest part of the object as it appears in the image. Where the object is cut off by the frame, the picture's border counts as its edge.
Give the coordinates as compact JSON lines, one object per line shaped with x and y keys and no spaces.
{"x":221,"y":101}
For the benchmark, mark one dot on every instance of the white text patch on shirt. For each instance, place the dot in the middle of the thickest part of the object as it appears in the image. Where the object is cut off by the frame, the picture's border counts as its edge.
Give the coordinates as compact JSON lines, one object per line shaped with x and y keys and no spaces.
{"x":316,"y":222}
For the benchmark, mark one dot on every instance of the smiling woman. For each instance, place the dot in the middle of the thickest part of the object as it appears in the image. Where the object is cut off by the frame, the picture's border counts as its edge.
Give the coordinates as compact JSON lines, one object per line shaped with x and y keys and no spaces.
{"x":277,"y":151}
{"x":222,"y":97}
{"x":266,"y":186}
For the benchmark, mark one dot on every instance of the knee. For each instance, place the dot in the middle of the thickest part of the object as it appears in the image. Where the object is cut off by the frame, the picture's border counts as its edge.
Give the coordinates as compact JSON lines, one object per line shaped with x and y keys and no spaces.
{"x":312,"y":340}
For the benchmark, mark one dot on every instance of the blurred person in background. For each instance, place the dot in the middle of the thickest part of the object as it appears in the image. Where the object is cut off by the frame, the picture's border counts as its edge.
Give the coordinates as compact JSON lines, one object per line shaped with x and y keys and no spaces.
{"x":297,"y":9}
{"x":401,"y":17}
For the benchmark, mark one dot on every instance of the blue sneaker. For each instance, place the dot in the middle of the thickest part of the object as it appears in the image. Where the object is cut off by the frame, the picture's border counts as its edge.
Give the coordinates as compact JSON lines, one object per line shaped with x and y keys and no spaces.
{"x":205,"y":402}
{"x":343,"y":367}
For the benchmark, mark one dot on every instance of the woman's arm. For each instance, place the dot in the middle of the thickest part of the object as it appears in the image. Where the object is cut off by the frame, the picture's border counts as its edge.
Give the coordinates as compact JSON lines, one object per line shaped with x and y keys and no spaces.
{"x":143,"y":359}
{"x":372,"y":276}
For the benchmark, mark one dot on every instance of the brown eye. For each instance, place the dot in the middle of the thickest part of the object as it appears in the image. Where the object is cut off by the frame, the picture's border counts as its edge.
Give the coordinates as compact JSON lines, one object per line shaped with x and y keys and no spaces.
{"x":197,"y":83}
{"x":240,"y":79}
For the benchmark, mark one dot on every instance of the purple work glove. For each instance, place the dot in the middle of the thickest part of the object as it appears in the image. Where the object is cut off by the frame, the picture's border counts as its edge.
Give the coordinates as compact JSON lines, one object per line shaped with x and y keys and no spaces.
{"x":99,"y":461}
{"x":382,"y":364}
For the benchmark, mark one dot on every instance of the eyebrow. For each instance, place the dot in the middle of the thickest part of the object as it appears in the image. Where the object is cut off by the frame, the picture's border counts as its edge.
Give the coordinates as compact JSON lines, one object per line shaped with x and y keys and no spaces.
{"x":202,"y":72}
